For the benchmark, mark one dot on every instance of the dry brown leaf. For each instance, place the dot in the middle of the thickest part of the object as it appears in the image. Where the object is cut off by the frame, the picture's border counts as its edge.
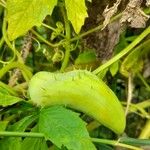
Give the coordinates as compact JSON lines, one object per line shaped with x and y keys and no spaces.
{"x":103,"y":42}
{"x":133,"y":15}
{"x":147,"y":2}
{"x":109,"y":12}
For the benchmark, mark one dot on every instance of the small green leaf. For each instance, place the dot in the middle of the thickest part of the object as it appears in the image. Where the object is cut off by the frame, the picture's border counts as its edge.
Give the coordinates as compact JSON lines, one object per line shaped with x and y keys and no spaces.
{"x":3,"y":125}
{"x":64,"y":128}
{"x":132,"y":63}
{"x":6,"y":100}
{"x":114,"y":68}
{"x":34,"y":143}
{"x":24,"y":14}
{"x":85,"y":58}
{"x":76,"y":12}
{"x":7,"y":95}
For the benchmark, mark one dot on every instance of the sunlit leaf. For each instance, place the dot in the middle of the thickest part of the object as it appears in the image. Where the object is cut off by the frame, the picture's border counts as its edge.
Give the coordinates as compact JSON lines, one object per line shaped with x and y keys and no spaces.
{"x":76,"y":12}
{"x":24,"y":14}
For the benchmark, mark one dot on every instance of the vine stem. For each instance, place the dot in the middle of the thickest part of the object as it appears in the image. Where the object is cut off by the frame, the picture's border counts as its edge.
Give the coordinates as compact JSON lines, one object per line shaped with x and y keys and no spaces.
{"x":22,"y":134}
{"x":145,"y":134}
{"x":41,"y":135}
{"x":1,"y":42}
{"x":99,"y":27}
{"x":51,"y":28}
{"x":25,"y":70}
{"x":44,"y":40}
{"x":139,"y":108}
{"x":144,"y":104}
{"x":16,"y":53}
{"x":124,"y":51}
{"x":114,"y":143}
{"x":67,"y":44}
{"x":74,"y":38}
{"x":144,"y":82}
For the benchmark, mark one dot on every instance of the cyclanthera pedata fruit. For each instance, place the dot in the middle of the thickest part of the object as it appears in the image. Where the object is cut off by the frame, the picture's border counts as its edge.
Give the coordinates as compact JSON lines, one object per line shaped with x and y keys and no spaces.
{"x":82,"y":91}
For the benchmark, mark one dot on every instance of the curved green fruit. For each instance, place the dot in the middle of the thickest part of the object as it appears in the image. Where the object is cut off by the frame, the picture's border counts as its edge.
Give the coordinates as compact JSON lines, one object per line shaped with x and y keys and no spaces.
{"x":80,"y":90}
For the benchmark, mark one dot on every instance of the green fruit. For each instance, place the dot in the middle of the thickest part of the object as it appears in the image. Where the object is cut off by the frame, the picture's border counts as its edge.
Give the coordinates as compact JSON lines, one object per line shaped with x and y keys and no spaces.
{"x":80,"y":90}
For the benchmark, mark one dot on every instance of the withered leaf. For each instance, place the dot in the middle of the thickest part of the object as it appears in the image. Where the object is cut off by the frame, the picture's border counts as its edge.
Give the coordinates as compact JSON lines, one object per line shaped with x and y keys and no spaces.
{"x":133,"y":15}
{"x":147,"y":2}
{"x":109,"y":12}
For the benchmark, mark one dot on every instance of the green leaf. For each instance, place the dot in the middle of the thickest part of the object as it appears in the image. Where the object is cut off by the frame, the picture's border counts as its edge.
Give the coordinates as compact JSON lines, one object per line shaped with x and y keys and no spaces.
{"x":15,"y":142}
{"x":3,"y":125}
{"x":24,"y":14}
{"x":34,"y":143}
{"x":114,"y":68}
{"x":86,"y":58}
{"x":6,"y":100}
{"x":64,"y":128}
{"x":4,"y":88}
{"x":4,"y":144}
{"x":7,"y":95}
{"x":22,"y":124}
{"x":132,"y":63}
{"x":76,"y":12}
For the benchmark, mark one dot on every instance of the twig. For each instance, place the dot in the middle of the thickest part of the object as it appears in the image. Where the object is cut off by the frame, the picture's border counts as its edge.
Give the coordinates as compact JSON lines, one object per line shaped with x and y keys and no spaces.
{"x":130,"y":90}
{"x":27,"y":43}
